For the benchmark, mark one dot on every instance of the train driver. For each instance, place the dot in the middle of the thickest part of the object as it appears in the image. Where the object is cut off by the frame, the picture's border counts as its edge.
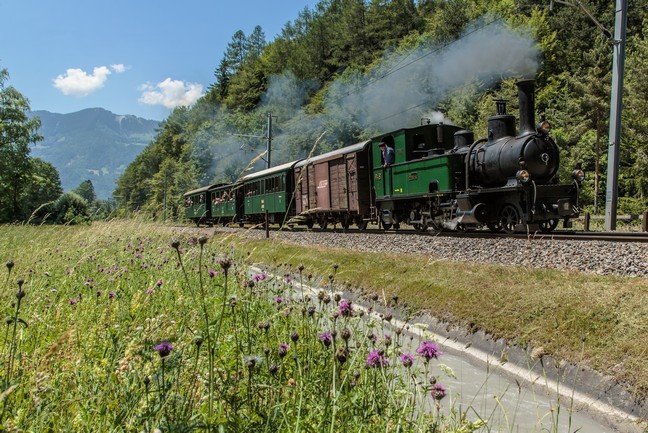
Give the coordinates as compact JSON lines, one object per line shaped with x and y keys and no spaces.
{"x":387,"y":153}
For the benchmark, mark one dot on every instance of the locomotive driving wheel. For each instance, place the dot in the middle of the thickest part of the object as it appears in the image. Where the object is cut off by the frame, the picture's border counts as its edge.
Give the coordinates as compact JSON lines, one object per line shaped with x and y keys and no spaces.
{"x":549,"y":225}
{"x":509,"y":218}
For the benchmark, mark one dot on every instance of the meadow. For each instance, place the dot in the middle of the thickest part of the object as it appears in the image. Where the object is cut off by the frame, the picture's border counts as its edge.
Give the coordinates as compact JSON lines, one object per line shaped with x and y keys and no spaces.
{"x":127,"y":326}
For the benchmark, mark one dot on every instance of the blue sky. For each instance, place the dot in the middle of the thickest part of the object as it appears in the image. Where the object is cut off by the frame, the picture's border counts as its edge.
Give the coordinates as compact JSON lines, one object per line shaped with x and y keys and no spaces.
{"x":128,"y":56}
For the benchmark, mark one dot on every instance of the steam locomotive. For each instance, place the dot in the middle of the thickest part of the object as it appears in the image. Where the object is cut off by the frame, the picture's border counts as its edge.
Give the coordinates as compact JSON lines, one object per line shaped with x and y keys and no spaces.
{"x":441,"y":179}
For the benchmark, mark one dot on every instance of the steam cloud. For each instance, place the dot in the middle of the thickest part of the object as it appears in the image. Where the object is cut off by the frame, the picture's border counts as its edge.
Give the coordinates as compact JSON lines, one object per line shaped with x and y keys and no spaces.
{"x":394,"y":95}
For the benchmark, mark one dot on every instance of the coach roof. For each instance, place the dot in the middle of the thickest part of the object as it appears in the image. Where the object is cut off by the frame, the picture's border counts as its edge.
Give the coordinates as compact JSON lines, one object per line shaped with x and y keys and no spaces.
{"x":269,"y":171}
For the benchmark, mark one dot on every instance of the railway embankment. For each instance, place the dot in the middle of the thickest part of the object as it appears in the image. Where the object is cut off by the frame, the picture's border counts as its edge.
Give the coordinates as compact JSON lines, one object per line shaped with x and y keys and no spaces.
{"x":576,"y":306}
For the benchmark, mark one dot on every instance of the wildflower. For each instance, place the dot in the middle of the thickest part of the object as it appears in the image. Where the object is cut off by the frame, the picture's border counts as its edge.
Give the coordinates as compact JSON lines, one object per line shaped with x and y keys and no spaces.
{"x":175,"y":244}
{"x":259,"y":277}
{"x":311,"y":311}
{"x":149,"y":291}
{"x":9,"y":265}
{"x":301,"y":268}
{"x":326,"y":338}
{"x":326,"y":299}
{"x":388,"y":317}
{"x":273,"y":369}
{"x":252,"y":361}
{"x":289,"y":279}
{"x":159,"y":283}
{"x":98,"y":293}
{"x":20,"y":283}
{"x":212,"y":273}
{"x":198,"y":341}
{"x":341,"y":355}
{"x":283,"y":349}
{"x":73,"y":301}
{"x":203,"y":240}
{"x":335,"y":267}
{"x":147,"y":381}
{"x":233,"y":301}
{"x":264,"y":325}
{"x":372,"y":337}
{"x":278,"y":300}
{"x":163,"y":349}
{"x":292,"y":382}
{"x":376,"y":358}
{"x":387,"y":340}
{"x":438,"y":391}
{"x":192,"y":241}
{"x":337,"y":297}
{"x":112,"y":295}
{"x":407,"y":360}
{"x":345,"y":308}
{"x":429,"y":350}
{"x":225,"y":263}
{"x":294,"y":337}
{"x":346,"y":334}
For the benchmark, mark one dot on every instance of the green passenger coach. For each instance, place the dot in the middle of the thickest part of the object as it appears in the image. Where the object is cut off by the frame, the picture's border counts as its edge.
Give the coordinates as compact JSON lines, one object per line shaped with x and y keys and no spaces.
{"x":197,"y":206}
{"x":226,"y":203}
{"x":269,"y":190}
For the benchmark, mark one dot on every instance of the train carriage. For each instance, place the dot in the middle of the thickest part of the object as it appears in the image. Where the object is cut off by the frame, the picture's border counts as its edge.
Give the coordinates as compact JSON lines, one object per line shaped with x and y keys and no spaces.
{"x":334,"y":188}
{"x":226,"y":203}
{"x":269,"y":190}
{"x":197,"y":205}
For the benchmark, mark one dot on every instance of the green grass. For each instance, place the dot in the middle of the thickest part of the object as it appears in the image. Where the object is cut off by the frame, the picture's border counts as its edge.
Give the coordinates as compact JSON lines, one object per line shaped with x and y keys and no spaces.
{"x":78,"y":349}
{"x":598,"y":321}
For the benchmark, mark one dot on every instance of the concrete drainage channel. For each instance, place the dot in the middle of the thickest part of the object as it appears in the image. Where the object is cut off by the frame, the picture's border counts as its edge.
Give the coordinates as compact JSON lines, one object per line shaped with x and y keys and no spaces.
{"x":515,"y":395}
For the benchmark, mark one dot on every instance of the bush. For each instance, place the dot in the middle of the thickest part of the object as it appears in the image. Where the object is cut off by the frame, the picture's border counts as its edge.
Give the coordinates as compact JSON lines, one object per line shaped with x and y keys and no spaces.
{"x":70,"y":208}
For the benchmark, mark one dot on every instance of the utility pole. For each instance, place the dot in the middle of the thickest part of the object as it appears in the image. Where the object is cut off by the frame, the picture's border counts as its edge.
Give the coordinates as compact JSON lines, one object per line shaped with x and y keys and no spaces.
{"x":269,"y":143}
{"x":616,"y":105}
{"x":164,"y":199}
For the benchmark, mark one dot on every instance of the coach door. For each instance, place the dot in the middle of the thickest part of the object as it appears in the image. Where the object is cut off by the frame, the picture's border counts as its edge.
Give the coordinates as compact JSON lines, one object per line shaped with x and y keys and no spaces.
{"x":352,"y":181}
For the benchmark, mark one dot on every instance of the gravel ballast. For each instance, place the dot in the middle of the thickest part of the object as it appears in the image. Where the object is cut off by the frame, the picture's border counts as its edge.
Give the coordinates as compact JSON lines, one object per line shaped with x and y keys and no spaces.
{"x":600,"y":257}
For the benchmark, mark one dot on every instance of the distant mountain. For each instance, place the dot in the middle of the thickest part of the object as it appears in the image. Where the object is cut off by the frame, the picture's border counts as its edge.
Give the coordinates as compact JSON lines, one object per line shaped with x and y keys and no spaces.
{"x":92,"y":144}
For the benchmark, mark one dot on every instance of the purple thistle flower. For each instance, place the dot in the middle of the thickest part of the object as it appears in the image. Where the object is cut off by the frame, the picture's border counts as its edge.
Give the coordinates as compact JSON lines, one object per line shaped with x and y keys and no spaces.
{"x":149,"y":291}
{"x":376,"y":359}
{"x":407,"y":359}
{"x":212,"y":273}
{"x":283,"y":349}
{"x":345,"y":308}
{"x":438,"y":391}
{"x":259,"y":277}
{"x":326,"y":338}
{"x":289,"y":279}
{"x":279,"y":300}
{"x":429,"y":350}
{"x":73,"y":301}
{"x":112,"y":295}
{"x":163,"y":349}
{"x":159,"y":283}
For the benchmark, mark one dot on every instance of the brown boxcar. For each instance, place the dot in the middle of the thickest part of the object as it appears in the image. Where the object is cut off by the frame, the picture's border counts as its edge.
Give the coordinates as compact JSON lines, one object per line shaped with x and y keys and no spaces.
{"x":334,"y":188}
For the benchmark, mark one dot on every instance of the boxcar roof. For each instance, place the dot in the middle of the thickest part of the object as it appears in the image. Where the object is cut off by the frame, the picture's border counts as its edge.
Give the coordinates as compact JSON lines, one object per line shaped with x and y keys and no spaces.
{"x":196,"y":191}
{"x":268,"y":171}
{"x":342,"y":151}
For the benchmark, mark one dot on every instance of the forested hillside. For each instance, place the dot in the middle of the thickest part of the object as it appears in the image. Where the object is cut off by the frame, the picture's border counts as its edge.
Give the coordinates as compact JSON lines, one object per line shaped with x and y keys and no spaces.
{"x":349,"y":69}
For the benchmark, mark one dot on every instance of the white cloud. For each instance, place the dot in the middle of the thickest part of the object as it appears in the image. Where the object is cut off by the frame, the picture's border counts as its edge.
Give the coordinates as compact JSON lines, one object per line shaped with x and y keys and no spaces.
{"x":118,"y":68}
{"x":170,"y":93}
{"x":77,"y":82}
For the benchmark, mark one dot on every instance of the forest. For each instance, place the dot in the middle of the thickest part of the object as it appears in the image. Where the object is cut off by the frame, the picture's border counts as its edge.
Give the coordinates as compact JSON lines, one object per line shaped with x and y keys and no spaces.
{"x":351,"y":69}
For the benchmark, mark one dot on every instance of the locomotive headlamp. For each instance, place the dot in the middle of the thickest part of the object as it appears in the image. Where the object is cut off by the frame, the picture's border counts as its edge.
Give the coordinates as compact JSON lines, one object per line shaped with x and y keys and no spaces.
{"x":578,"y":175}
{"x":522,"y":176}
{"x":544,"y":127}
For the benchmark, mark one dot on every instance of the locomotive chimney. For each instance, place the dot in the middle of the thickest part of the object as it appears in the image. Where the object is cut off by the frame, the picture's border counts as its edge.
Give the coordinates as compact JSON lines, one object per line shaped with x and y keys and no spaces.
{"x":526,"y":98}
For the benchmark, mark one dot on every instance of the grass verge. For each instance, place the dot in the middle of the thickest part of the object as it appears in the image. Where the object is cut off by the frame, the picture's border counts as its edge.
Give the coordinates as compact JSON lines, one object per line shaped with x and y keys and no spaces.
{"x":598,"y":321}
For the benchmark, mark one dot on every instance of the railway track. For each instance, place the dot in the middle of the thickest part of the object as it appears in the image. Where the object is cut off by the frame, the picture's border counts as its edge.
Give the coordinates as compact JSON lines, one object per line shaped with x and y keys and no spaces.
{"x":639,"y":237}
